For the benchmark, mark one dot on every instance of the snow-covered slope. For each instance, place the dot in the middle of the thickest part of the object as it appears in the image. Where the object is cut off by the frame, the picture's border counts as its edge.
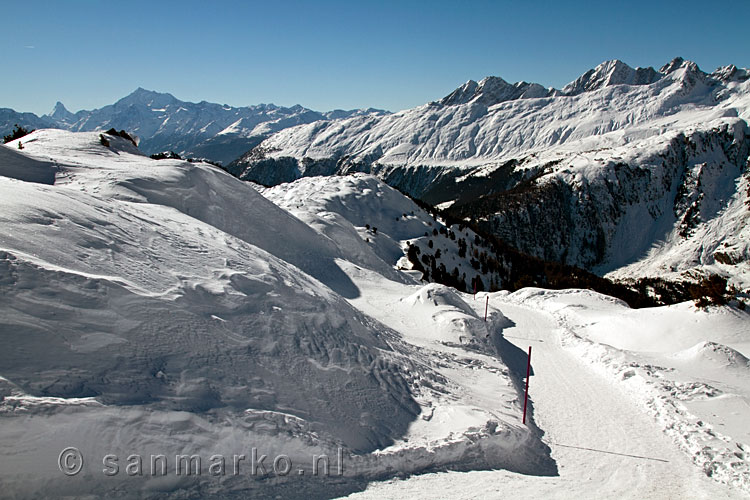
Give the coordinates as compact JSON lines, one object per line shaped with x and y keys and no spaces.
{"x":685,"y":366}
{"x":492,"y":121}
{"x":165,"y":307}
{"x":374,"y":226}
{"x":631,"y":169}
{"x":128,"y":250}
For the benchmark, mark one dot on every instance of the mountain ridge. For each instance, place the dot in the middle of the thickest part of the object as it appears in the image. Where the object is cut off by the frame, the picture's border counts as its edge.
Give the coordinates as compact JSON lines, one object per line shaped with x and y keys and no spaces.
{"x":218,"y":132}
{"x":581,"y":153}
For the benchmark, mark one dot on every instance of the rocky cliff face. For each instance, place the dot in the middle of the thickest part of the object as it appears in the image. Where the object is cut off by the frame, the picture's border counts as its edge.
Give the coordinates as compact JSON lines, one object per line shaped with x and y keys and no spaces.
{"x":605,"y":210}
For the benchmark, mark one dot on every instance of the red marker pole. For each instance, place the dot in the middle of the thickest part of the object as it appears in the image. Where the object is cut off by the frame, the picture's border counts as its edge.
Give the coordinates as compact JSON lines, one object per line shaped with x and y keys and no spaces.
{"x":526,"y":397}
{"x":487,"y":303}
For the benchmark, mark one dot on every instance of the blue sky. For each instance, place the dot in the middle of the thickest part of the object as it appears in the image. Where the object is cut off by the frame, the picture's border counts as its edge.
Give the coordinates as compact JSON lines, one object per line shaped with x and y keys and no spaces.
{"x":333,"y":54}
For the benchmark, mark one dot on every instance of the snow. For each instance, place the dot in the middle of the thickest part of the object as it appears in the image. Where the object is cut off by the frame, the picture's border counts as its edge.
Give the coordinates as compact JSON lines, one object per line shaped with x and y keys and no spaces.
{"x":190,"y":129}
{"x":682,"y":129}
{"x":123,"y":263}
{"x":602,"y":448}
{"x":342,"y":207}
{"x":479,"y":123}
{"x":146,"y":303}
{"x":166,"y":307}
{"x":680,"y":364}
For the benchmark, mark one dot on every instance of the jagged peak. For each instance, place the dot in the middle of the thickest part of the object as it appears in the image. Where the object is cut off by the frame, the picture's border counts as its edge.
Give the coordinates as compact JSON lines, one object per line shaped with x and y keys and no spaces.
{"x":725,"y":72}
{"x":679,"y":63}
{"x":60,"y":111}
{"x":60,"y":114}
{"x":687,"y":72}
{"x":141,"y":91}
{"x":730,"y":72}
{"x":672,"y":65}
{"x":612,"y":66}
{"x":59,"y":107}
{"x":492,"y":90}
{"x":492,"y":81}
{"x":608,"y":73}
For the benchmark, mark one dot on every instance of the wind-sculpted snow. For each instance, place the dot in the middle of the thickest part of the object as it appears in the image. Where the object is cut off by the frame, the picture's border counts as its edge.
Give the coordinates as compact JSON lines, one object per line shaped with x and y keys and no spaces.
{"x":119,"y":254}
{"x":164,"y":307}
{"x":714,"y":355}
{"x":138,"y":282}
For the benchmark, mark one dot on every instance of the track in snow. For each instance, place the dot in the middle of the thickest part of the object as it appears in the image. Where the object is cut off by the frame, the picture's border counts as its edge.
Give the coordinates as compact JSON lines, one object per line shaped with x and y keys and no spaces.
{"x":604,"y":446}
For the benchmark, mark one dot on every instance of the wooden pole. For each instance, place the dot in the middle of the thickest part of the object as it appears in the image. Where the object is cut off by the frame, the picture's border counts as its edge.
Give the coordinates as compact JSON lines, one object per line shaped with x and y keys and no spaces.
{"x":526,"y":397}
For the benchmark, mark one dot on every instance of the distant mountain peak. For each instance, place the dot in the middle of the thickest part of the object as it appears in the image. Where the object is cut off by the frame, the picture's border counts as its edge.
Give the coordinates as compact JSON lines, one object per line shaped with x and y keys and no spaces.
{"x":672,"y":65}
{"x":608,"y":73}
{"x":147,"y":97}
{"x":142,"y":91}
{"x":492,"y":90}
{"x":730,"y":72}
{"x":59,"y":112}
{"x":686,"y":71}
{"x":218,"y":132}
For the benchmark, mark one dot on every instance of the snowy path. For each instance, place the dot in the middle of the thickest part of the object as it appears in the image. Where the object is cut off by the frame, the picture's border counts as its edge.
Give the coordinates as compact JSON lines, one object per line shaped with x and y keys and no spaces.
{"x":579,"y":412}
{"x":577,"y":408}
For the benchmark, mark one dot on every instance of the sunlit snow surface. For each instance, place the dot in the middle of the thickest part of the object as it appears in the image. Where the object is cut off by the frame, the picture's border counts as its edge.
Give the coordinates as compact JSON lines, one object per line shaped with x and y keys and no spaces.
{"x":162,"y":307}
{"x":636,"y":157}
{"x":670,"y":384}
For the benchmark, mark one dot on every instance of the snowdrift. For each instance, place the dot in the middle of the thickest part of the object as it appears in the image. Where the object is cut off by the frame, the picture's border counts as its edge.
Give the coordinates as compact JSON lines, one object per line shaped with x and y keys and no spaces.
{"x":145,"y":288}
{"x":165,"y":307}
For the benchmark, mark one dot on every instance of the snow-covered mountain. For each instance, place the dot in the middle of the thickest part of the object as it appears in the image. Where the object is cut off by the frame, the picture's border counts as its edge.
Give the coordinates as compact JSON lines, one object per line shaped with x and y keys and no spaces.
{"x":9,"y":118}
{"x":637,"y":170}
{"x":379,"y":227}
{"x":164,"y":123}
{"x":161,"y":308}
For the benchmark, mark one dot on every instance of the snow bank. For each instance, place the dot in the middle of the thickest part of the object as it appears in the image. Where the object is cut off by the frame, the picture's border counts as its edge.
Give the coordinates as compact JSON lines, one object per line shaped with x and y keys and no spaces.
{"x":162,"y":307}
{"x":162,"y":295}
{"x":697,"y":394}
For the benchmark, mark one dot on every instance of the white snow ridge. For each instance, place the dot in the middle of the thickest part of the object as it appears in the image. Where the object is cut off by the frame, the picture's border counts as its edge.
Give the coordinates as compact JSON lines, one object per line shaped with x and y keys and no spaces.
{"x":171,"y":331}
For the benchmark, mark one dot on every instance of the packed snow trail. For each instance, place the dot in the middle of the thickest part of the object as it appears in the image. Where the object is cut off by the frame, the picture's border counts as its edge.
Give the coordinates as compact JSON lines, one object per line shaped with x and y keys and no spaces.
{"x":604,"y":446}
{"x":580,"y":412}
